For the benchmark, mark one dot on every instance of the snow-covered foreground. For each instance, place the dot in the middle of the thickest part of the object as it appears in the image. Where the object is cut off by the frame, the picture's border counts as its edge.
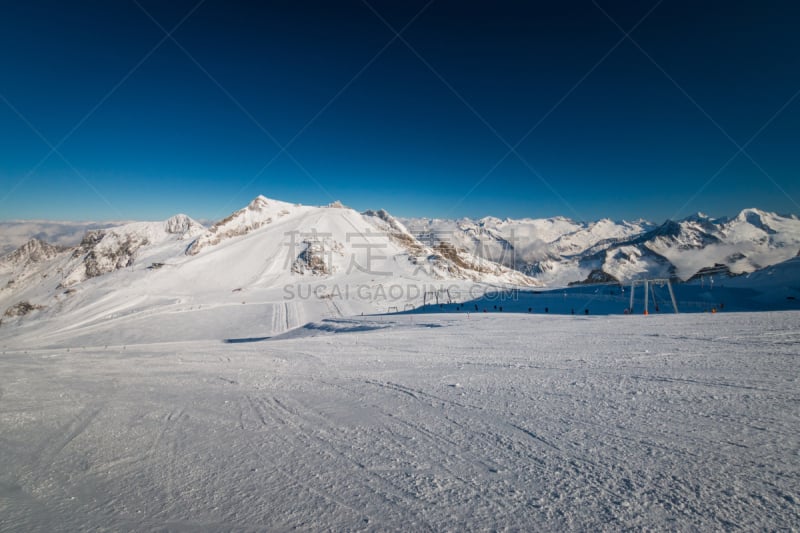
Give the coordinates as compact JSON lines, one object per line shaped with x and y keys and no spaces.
{"x":416,"y":422}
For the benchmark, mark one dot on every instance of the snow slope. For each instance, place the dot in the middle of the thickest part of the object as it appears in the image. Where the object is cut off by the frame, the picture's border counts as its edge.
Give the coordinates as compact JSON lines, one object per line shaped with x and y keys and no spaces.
{"x":412,"y":423}
{"x":271,"y":264}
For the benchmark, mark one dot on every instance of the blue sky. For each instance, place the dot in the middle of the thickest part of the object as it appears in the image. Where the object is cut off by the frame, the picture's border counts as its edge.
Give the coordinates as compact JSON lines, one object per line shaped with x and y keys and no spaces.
{"x":421,"y":125}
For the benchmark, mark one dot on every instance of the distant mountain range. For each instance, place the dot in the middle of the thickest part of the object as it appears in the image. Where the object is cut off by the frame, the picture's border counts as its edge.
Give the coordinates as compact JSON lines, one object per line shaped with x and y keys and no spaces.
{"x":290,"y":263}
{"x":559,"y":251}
{"x":550,"y":251}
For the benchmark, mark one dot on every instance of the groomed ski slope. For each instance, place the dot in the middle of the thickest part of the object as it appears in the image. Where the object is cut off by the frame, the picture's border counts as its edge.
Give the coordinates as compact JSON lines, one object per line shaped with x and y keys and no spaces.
{"x":413,"y":423}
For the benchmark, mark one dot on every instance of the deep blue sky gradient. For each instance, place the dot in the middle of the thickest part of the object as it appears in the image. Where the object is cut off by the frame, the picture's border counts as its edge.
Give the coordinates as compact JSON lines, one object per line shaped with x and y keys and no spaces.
{"x":627,"y":143}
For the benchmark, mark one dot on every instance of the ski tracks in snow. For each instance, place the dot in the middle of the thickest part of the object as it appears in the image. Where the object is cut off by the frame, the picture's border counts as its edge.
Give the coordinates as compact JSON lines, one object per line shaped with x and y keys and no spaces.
{"x":471,"y":436}
{"x":411,"y":430}
{"x":48,"y":451}
{"x":284,"y":317}
{"x":276,"y":422}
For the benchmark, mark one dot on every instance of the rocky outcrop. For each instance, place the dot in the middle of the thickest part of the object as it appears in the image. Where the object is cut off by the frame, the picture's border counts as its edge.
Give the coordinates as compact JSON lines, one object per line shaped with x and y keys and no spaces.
{"x":33,"y":251}
{"x":257,"y":214}
{"x":21,"y":309}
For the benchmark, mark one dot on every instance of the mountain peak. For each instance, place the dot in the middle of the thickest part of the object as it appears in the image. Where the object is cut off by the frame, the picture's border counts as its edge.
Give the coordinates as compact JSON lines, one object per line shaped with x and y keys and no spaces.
{"x":33,"y":251}
{"x":752,"y":210}
{"x":180,"y":224}
{"x":260,"y":212}
{"x":258,"y":203}
{"x":754,"y":216}
{"x":697,"y":217}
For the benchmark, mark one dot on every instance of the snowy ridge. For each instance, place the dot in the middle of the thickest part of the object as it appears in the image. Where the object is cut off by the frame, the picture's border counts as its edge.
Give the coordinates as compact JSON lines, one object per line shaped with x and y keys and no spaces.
{"x":271,"y":266}
{"x":559,"y":251}
{"x":446,"y":260}
{"x":260,"y":212}
{"x":32,"y":252}
{"x":45,"y":274}
{"x":104,"y":251}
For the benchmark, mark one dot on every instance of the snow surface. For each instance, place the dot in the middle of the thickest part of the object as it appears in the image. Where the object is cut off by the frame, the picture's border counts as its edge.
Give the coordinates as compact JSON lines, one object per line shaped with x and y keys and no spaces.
{"x":409,"y":423}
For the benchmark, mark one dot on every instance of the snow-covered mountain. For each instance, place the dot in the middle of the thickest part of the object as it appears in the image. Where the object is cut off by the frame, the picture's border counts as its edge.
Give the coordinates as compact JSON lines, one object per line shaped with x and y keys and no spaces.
{"x":32,"y":252}
{"x":104,"y":251}
{"x":287,"y":263}
{"x":559,"y":251}
{"x":260,"y":212}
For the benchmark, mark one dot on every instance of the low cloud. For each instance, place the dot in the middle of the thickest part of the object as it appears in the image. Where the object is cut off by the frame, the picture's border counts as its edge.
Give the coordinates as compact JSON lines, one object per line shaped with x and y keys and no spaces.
{"x":15,"y":233}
